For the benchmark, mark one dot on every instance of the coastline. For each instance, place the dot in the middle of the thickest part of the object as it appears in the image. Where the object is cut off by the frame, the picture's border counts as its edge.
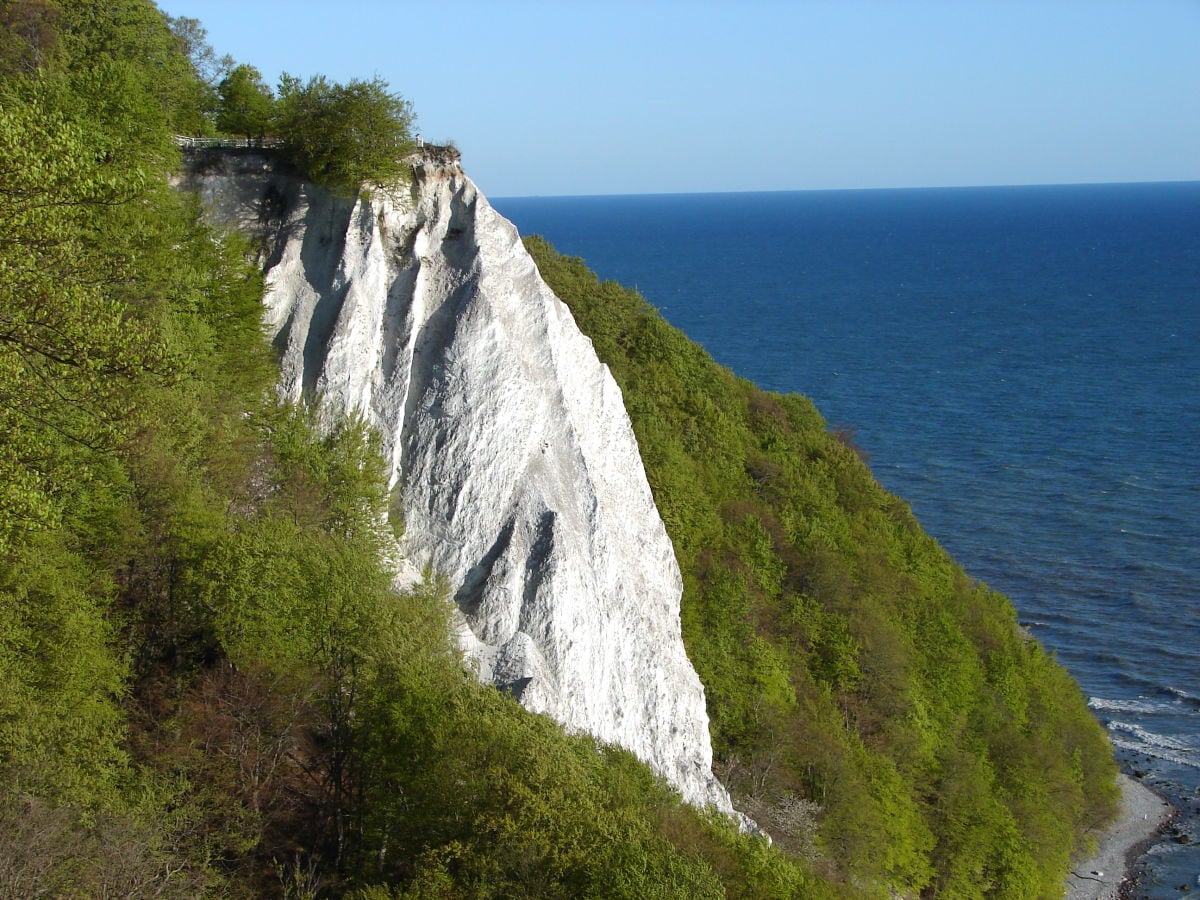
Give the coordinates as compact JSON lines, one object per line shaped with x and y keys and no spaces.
{"x":1105,"y":874}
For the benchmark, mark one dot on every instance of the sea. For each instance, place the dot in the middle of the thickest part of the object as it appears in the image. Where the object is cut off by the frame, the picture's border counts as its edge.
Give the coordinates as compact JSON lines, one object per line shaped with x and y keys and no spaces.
{"x":1022,"y":364}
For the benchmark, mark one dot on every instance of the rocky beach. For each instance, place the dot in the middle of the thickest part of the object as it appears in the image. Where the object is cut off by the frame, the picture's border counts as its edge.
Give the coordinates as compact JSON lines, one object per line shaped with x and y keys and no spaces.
{"x":1106,"y":874}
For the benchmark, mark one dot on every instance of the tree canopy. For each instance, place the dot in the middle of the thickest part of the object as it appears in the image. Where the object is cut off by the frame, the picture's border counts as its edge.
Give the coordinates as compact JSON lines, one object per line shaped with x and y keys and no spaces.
{"x":28,"y":35}
{"x":247,"y":106}
{"x":345,"y":135}
{"x":870,"y":704}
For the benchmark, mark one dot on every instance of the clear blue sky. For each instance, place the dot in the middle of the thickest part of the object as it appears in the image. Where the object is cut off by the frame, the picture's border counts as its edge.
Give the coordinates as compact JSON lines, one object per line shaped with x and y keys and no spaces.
{"x":591,"y":97}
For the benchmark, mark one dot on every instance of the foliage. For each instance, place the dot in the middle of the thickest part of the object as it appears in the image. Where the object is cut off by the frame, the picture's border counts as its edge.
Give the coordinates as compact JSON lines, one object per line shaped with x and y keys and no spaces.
{"x":345,"y":135}
{"x":28,"y":35}
{"x":851,"y":669}
{"x":68,"y":343}
{"x":212,"y":689}
{"x":247,"y":105}
{"x":193,"y":41}
{"x":124,"y":60}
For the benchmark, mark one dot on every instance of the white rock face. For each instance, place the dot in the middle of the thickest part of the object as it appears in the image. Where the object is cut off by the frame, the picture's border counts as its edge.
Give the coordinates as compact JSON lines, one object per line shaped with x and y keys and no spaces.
{"x":520,"y":474}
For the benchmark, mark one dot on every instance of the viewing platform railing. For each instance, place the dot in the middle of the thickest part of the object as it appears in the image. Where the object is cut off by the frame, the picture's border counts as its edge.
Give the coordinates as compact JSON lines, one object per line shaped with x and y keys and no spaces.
{"x":206,"y":143}
{"x":426,"y":152}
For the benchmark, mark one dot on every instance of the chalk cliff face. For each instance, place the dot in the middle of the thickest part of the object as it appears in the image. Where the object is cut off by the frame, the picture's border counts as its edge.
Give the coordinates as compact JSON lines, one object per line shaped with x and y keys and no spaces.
{"x":518,"y":471}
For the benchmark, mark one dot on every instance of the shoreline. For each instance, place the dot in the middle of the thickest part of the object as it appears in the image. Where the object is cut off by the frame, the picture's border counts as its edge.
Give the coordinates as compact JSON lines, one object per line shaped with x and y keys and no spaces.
{"x":1107,"y":873}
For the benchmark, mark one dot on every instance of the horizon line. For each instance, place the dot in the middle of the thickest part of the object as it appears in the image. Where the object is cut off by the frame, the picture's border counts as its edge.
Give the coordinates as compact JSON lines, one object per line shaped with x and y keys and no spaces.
{"x":930,"y":187}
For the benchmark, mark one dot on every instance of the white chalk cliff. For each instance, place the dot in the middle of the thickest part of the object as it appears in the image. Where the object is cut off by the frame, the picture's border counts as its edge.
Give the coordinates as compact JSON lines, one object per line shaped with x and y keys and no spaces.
{"x":519,"y":474}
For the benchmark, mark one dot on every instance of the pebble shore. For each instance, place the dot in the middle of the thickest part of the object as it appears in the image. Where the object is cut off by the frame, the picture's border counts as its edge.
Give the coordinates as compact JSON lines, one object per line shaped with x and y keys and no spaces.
{"x":1102,"y":876}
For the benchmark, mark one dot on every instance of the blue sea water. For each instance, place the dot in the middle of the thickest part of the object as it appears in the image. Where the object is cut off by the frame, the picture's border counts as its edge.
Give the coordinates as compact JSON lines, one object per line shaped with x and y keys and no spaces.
{"x":1023,"y":366}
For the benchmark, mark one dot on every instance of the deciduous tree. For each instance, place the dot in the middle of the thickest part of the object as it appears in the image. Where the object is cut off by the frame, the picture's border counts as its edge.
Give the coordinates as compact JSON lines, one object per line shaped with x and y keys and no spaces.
{"x":247,"y":105}
{"x":345,"y":135}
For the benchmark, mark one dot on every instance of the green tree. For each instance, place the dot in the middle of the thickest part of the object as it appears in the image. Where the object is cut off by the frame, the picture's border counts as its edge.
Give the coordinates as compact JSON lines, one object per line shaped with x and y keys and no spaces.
{"x":193,"y":37}
{"x":132,"y":71}
{"x":345,"y":135}
{"x":68,"y":344}
{"x":247,"y":105}
{"x":28,"y":35}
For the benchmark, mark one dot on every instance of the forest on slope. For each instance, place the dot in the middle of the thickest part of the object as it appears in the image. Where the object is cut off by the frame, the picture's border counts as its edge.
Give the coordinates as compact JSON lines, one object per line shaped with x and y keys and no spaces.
{"x":211,"y":688}
{"x":874,"y":708}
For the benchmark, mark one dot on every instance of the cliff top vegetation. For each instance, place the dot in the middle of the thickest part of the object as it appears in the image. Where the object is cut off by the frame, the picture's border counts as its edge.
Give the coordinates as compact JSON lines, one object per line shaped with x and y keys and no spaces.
{"x":338,"y":135}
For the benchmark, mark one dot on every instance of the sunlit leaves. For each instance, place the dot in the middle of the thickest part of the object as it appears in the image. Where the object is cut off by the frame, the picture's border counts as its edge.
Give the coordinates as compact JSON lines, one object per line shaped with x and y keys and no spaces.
{"x":247,"y":105}
{"x":846,"y":660}
{"x":68,"y":347}
{"x":345,"y":135}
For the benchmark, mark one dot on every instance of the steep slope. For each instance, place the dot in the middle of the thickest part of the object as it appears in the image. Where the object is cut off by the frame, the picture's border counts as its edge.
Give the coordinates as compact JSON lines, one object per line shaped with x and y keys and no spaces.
{"x":868,"y":698}
{"x":517,"y":472}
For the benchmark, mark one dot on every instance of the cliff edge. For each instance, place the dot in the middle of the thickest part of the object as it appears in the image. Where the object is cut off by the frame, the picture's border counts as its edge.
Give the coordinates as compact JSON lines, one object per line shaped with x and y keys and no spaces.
{"x":517,"y":470}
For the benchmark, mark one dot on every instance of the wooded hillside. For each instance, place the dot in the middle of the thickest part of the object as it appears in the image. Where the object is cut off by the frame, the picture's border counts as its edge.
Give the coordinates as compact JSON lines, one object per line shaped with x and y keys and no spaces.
{"x":874,"y":708}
